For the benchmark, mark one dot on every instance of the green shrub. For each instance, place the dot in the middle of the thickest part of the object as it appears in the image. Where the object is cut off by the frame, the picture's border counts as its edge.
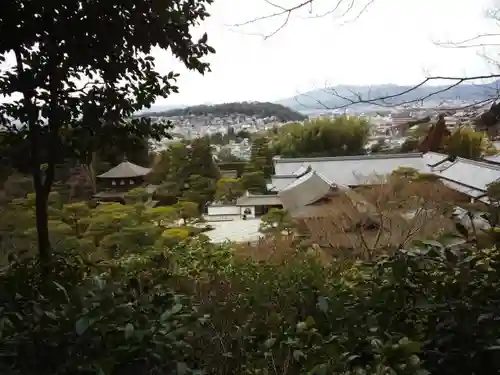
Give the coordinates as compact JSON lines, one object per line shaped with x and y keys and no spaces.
{"x":197,"y":305}
{"x":74,"y":323}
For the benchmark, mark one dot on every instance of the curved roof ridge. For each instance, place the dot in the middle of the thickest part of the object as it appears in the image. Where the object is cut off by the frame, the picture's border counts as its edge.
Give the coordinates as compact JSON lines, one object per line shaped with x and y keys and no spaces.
{"x":125,"y":169}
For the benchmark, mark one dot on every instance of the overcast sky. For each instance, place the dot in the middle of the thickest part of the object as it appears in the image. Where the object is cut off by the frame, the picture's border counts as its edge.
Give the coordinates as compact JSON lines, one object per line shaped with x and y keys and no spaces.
{"x":391,"y":42}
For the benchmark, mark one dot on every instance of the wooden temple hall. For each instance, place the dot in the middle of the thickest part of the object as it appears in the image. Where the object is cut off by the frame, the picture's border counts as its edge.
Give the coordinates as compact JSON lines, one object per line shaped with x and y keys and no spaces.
{"x":115,"y":183}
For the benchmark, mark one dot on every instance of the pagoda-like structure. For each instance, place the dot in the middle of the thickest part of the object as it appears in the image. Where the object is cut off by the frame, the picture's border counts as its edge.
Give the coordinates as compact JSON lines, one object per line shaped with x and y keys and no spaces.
{"x":116,"y":182}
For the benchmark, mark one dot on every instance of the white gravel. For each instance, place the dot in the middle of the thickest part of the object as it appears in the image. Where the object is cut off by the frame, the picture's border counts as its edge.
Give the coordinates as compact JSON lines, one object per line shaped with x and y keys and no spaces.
{"x":234,"y":231}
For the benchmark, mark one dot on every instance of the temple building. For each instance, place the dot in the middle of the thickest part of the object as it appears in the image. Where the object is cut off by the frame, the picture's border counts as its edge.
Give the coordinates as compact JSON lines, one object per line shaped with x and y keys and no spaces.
{"x":116,"y":182}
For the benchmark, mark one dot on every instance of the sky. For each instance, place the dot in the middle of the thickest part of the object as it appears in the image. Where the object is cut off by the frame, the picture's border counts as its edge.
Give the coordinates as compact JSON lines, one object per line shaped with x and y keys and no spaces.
{"x":392,"y":41}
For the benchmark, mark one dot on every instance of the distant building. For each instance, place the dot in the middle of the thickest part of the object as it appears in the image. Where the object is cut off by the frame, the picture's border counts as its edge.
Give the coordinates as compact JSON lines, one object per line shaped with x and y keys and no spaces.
{"x":116,"y":182}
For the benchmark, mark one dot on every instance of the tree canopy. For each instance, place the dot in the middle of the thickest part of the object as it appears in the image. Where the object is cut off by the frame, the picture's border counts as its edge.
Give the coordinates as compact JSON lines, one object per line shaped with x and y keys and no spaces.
{"x":468,"y":143}
{"x":63,"y":83}
{"x":261,"y":157}
{"x":323,"y":137}
{"x":228,"y":190}
{"x":186,"y":171}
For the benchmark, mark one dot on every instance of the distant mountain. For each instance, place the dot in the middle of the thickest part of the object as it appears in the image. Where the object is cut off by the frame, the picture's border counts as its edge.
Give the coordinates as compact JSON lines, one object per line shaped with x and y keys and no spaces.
{"x":257,"y":109}
{"x":160,"y":108}
{"x":321,"y":98}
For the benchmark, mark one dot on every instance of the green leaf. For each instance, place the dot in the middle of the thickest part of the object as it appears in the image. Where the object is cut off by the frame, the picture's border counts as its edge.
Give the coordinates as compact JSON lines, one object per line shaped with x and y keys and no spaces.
{"x":62,"y":289}
{"x":182,"y":368}
{"x":297,"y":354}
{"x":323,"y":304}
{"x":432,"y":243}
{"x":82,"y":325}
{"x":411,"y":347}
{"x":270,"y":342}
{"x":310,"y":321}
{"x":169,"y":313}
{"x":129,"y":330}
{"x":50,"y":315}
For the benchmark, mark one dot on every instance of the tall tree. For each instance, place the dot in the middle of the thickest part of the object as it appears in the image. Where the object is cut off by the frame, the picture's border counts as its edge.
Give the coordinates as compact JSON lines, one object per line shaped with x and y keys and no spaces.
{"x":199,"y":189}
{"x":187,"y":171}
{"x":187,"y":211}
{"x":202,"y":161}
{"x":228,"y":190}
{"x":468,"y":143}
{"x":254,"y":182}
{"x":99,"y":73}
{"x":261,"y":158}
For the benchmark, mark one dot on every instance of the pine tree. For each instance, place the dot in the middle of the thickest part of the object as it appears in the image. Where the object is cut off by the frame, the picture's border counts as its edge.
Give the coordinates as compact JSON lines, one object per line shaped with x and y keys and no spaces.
{"x":261,"y":158}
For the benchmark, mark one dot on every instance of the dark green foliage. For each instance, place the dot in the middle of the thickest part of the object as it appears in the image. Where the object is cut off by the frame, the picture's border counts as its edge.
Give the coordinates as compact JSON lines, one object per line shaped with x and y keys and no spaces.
{"x":323,"y":137}
{"x":186,"y":171}
{"x":261,"y":158}
{"x":199,"y":189}
{"x":228,"y":190}
{"x":91,"y":325}
{"x":201,"y":159}
{"x":257,"y":109}
{"x":429,"y":310}
{"x":254,"y":182}
{"x":80,"y":69}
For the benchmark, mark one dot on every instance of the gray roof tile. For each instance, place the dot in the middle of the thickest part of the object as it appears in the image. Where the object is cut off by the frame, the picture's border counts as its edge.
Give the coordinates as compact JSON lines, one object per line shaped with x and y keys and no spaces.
{"x":348,"y":170}
{"x":305,"y":190}
{"x":126,"y":169}
{"x":473,"y":174}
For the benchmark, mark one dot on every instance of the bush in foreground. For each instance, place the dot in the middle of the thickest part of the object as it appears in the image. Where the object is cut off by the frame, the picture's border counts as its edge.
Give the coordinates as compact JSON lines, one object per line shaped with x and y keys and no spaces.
{"x":200,"y":307}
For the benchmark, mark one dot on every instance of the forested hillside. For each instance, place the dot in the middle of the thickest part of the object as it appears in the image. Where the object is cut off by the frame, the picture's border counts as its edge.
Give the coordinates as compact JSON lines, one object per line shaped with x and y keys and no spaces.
{"x":257,"y":109}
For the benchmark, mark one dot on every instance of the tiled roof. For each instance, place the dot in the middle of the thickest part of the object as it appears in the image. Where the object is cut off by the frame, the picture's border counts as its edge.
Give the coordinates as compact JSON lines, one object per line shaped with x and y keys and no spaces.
{"x":281,"y":182}
{"x":348,"y":170}
{"x":433,"y":158}
{"x":469,"y":191}
{"x":305,"y":190}
{"x":471,"y":174}
{"x":126,"y":170}
{"x":303,"y":169}
{"x":493,"y":159}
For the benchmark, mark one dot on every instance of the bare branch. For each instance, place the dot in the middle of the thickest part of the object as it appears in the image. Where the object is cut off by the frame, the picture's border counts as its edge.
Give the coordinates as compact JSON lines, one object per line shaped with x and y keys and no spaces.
{"x":286,"y":13}
{"x":402,"y":98}
{"x":465,"y":42}
{"x":282,"y":11}
{"x":384,"y":100}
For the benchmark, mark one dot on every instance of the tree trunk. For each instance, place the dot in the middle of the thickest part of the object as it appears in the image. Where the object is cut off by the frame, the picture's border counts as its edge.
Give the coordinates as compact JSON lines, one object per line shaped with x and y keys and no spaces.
{"x":42,"y":226}
{"x":41,"y":199}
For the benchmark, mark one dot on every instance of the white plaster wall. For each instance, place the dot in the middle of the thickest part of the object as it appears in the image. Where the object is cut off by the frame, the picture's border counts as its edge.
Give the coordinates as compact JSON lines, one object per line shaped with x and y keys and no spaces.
{"x":223,"y":210}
